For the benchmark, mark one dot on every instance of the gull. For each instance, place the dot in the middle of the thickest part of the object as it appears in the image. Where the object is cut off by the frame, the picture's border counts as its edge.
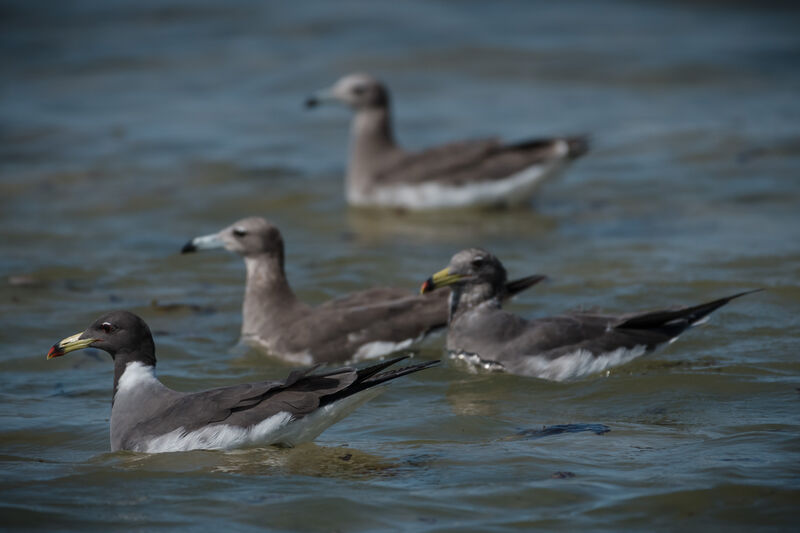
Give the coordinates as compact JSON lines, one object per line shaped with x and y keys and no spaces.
{"x":557,"y":348}
{"x":478,"y":172}
{"x":361,"y":325}
{"x":147,"y":416}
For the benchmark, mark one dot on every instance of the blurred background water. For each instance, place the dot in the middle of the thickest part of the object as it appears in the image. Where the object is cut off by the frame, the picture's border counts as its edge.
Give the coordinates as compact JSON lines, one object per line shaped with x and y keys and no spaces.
{"x":128,"y":127}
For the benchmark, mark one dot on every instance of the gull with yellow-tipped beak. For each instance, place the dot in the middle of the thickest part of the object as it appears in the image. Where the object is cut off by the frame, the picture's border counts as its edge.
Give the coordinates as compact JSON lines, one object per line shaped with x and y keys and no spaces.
{"x":557,"y":348}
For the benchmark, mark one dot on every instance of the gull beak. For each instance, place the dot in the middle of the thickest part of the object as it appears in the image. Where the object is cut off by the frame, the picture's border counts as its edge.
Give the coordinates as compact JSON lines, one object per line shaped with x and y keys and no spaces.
{"x":206,"y":242}
{"x":441,"y":279}
{"x":320,"y":97}
{"x":70,"y":344}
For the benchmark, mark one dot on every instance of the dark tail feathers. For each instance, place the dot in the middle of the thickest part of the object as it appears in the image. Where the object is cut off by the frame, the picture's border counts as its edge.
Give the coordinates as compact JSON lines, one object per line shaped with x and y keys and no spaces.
{"x":516,"y":286}
{"x":677,"y":319}
{"x":371,"y":376}
{"x":577,"y":145}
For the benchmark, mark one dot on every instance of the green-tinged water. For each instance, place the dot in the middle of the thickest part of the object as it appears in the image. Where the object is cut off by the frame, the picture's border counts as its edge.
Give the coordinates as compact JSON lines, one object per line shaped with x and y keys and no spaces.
{"x":127,"y":128}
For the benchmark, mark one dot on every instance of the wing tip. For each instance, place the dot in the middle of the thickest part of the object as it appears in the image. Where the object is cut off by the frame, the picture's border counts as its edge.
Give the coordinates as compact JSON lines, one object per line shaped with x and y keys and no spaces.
{"x":376,"y":378}
{"x":369,"y":377}
{"x":519,"y":285}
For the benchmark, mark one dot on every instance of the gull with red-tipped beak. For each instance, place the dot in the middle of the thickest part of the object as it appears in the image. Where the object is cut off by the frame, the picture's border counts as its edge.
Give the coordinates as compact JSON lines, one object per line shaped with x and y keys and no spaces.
{"x":561,"y":347}
{"x":147,"y":416}
{"x":359,"y":325}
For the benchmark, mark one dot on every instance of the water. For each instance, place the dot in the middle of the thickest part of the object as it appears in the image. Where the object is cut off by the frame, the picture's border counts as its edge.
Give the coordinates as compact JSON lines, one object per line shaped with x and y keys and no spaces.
{"x":129,"y":127}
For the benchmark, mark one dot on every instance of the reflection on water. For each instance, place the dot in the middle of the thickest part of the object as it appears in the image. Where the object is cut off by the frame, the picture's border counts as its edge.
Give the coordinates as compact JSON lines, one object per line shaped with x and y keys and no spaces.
{"x":450,"y":228}
{"x":558,"y":429}
{"x":307,"y":459}
{"x":479,"y":397}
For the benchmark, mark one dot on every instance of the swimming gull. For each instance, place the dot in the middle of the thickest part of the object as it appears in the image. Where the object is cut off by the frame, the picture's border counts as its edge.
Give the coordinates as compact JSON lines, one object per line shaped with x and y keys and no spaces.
{"x":479,"y":172}
{"x":360,"y":325}
{"x":557,"y":348}
{"x":146,"y":416}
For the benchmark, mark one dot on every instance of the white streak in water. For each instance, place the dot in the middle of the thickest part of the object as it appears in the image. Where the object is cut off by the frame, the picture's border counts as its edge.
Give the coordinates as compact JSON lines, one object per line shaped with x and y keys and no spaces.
{"x":475,"y":363}
{"x":375,"y":349}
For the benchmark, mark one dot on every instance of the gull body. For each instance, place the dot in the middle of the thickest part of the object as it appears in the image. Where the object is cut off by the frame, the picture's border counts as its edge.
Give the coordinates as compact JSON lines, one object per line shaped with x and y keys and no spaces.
{"x":147,"y":416}
{"x":360,"y":325}
{"x":557,"y":348}
{"x":478,"y":172}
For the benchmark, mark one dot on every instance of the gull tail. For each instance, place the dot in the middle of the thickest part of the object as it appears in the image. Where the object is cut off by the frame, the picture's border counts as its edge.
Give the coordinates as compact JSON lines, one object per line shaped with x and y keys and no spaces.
{"x":375,"y":375}
{"x":675,"y":321}
{"x":576,"y":145}
{"x":516,"y":286}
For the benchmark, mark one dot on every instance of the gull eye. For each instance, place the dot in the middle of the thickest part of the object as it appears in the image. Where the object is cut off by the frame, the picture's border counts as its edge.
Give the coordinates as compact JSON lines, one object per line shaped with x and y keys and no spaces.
{"x":239,"y":232}
{"x":107,"y":327}
{"x":358,"y":90}
{"x":478,"y":261}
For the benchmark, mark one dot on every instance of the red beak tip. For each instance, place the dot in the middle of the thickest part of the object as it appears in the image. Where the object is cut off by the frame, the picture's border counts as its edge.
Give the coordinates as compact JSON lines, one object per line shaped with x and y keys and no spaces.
{"x":54,"y":352}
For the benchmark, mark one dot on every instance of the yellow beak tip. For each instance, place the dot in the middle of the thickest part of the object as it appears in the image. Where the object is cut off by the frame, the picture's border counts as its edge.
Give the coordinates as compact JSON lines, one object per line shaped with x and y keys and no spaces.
{"x":441,"y":279}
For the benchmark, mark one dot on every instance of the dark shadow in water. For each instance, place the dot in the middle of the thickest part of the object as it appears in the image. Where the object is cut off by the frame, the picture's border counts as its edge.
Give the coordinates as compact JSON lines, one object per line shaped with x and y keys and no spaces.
{"x":182,"y":308}
{"x":457,"y":226}
{"x":558,"y":429}
{"x":307,"y":459}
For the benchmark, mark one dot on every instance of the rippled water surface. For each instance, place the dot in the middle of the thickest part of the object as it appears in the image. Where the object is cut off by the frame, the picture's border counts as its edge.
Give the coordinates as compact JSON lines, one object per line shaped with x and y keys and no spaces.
{"x":128,"y":127}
